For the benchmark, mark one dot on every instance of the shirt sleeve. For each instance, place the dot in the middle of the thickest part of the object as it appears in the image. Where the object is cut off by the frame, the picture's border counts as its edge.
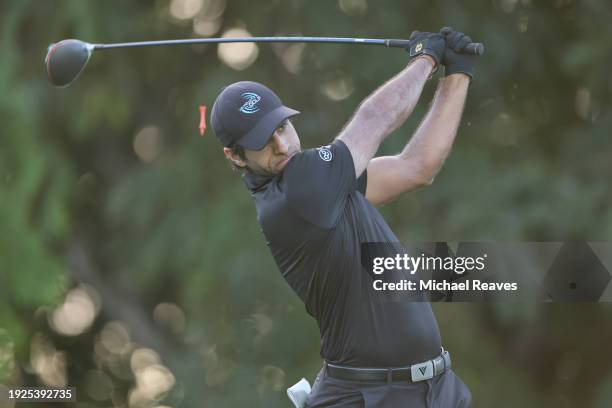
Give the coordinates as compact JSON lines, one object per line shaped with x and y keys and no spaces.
{"x":362,"y":182}
{"x":319,"y":181}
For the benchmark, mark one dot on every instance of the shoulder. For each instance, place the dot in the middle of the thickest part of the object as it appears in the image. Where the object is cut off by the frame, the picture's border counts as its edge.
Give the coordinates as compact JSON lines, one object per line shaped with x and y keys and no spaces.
{"x":317,"y":181}
{"x":322,"y":156}
{"x":313,"y":165}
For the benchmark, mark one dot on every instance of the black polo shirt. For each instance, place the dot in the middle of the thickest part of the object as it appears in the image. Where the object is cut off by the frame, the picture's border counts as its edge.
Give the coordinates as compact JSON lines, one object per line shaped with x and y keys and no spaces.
{"x":315,"y":217}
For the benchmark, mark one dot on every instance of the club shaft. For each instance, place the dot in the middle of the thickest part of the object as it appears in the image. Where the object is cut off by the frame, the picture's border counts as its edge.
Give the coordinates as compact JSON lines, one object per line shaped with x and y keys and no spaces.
{"x":328,"y":40}
{"x":473,"y":48}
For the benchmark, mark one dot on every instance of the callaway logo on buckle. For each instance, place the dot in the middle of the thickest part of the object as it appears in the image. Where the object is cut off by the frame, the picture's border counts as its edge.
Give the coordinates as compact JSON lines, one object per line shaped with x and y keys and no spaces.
{"x":423,"y":371}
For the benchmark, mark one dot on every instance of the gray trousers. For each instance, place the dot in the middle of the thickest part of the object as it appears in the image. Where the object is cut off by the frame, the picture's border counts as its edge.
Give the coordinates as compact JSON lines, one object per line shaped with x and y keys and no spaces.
{"x":443,"y":391}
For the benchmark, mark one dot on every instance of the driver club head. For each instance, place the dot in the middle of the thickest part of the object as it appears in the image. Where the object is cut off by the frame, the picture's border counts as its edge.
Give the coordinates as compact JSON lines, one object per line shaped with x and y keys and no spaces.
{"x":66,"y":59}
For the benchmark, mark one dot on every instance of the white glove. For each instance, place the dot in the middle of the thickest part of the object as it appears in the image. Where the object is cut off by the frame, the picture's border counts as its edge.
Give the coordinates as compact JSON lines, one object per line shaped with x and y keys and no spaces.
{"x":298,"y":393}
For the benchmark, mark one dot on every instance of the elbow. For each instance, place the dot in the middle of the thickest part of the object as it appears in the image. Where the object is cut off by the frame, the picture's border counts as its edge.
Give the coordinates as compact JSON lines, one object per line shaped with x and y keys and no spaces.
{"x":428,"y":171}
{"x":426,"y":176}
{"x":424,"y":182}
{"x":418,"y":172}
{"x":422,"y":168}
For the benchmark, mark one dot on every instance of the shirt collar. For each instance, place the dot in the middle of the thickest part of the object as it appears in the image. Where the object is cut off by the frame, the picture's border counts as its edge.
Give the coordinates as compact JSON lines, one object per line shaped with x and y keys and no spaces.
{"x":255,"y":182}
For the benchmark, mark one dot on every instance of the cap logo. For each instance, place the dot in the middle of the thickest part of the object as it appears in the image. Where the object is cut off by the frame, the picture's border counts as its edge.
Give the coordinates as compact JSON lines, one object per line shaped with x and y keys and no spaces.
{"x":250,"y":104}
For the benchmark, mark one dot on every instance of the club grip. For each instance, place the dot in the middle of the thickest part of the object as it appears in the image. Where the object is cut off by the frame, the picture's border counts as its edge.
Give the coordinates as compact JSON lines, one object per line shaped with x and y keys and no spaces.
{"x":471,"y":48}
{"x":474,"y":49}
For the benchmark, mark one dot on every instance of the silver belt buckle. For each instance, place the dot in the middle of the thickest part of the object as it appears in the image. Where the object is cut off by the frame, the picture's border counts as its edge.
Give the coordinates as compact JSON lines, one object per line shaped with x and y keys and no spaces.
{"x":422,"y":371}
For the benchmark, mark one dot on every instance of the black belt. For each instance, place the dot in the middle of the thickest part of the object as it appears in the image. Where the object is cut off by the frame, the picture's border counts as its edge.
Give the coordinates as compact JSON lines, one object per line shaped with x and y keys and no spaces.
{"x":416,"y":372}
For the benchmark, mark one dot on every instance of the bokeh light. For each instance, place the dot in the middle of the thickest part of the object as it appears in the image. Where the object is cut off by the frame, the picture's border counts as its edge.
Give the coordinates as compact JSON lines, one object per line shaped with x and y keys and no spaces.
{"x":77,"y":313}
{"x":338,"y":89}
{"x":270,"y":378}
{"x":238,"y":56}
{"x":148,"y":143}
{"x":142,"y":358}
{"x":209,"y":19}
{"x":206,"y":27}
{"x":48,"y":363}
{"x":170,"y":316}
{"x":7,"y":354}
{"x":262,"y":324}
{"x":290,"y":54}
{"x":152,"y":382}
{"x":353,"y":7}
{"x":218,"y":369}
{"x":213,"y":9}
{"x":185,"y":9}
{"x":114,"y":338}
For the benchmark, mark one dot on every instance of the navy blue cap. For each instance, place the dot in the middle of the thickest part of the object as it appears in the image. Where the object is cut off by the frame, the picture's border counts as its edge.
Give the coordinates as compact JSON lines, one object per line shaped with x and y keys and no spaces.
{"x":247,"y":114}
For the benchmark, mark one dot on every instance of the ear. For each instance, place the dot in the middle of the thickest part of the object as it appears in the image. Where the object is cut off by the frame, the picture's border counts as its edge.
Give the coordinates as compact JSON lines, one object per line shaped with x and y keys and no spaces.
{"x":234,"y":158}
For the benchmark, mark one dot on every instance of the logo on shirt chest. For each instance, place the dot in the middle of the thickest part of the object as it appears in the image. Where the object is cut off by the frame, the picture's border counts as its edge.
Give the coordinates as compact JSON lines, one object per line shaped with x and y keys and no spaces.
{"x":325,"y":153}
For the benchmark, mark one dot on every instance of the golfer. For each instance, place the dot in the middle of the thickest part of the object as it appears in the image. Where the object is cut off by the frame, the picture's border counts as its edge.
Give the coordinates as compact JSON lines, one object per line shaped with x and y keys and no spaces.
{"x":316,"y":207}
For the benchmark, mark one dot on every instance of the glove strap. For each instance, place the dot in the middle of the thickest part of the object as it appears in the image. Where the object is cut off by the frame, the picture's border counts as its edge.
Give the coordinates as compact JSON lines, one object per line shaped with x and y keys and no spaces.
{"x":418,"y":48}
{"x":435,"y":68}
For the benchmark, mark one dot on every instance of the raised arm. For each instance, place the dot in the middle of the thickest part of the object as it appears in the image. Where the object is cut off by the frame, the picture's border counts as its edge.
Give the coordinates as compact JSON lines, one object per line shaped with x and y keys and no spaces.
{"x":390,"y":105}
{"x":424,"y":155}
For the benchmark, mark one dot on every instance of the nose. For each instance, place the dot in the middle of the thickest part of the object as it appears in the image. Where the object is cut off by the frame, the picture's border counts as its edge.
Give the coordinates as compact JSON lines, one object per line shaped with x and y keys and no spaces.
{"x":279,"y":144}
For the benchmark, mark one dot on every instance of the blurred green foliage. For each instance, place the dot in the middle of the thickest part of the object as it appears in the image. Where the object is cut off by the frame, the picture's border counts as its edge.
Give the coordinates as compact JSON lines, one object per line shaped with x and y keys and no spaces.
{"x":88,"y":195}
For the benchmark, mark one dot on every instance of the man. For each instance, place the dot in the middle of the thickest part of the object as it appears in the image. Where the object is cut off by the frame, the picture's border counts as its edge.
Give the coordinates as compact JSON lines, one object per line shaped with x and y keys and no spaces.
{"x":316,"y":209}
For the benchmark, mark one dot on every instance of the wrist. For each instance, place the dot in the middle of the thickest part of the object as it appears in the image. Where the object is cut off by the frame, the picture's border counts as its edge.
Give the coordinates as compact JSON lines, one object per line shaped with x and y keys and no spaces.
{"x":427,"y":62}
{"x":428,"y":58}
{"x":456,"y":82}
{"x":459,"y":76}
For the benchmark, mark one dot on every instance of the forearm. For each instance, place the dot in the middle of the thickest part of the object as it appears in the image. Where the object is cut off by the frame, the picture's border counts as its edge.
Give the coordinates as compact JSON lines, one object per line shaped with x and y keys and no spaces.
{"x":391,"y":104}
{"x":384,"y":111}
{"x":431,"y":143}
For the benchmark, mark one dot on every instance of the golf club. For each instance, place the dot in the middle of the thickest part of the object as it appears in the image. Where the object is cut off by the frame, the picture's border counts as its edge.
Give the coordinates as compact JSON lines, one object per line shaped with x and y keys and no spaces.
{"x":66,"y":59}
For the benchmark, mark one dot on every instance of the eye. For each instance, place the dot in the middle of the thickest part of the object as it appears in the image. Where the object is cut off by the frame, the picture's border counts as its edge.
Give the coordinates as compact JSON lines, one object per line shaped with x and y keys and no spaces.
{"x":282,"y":126}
